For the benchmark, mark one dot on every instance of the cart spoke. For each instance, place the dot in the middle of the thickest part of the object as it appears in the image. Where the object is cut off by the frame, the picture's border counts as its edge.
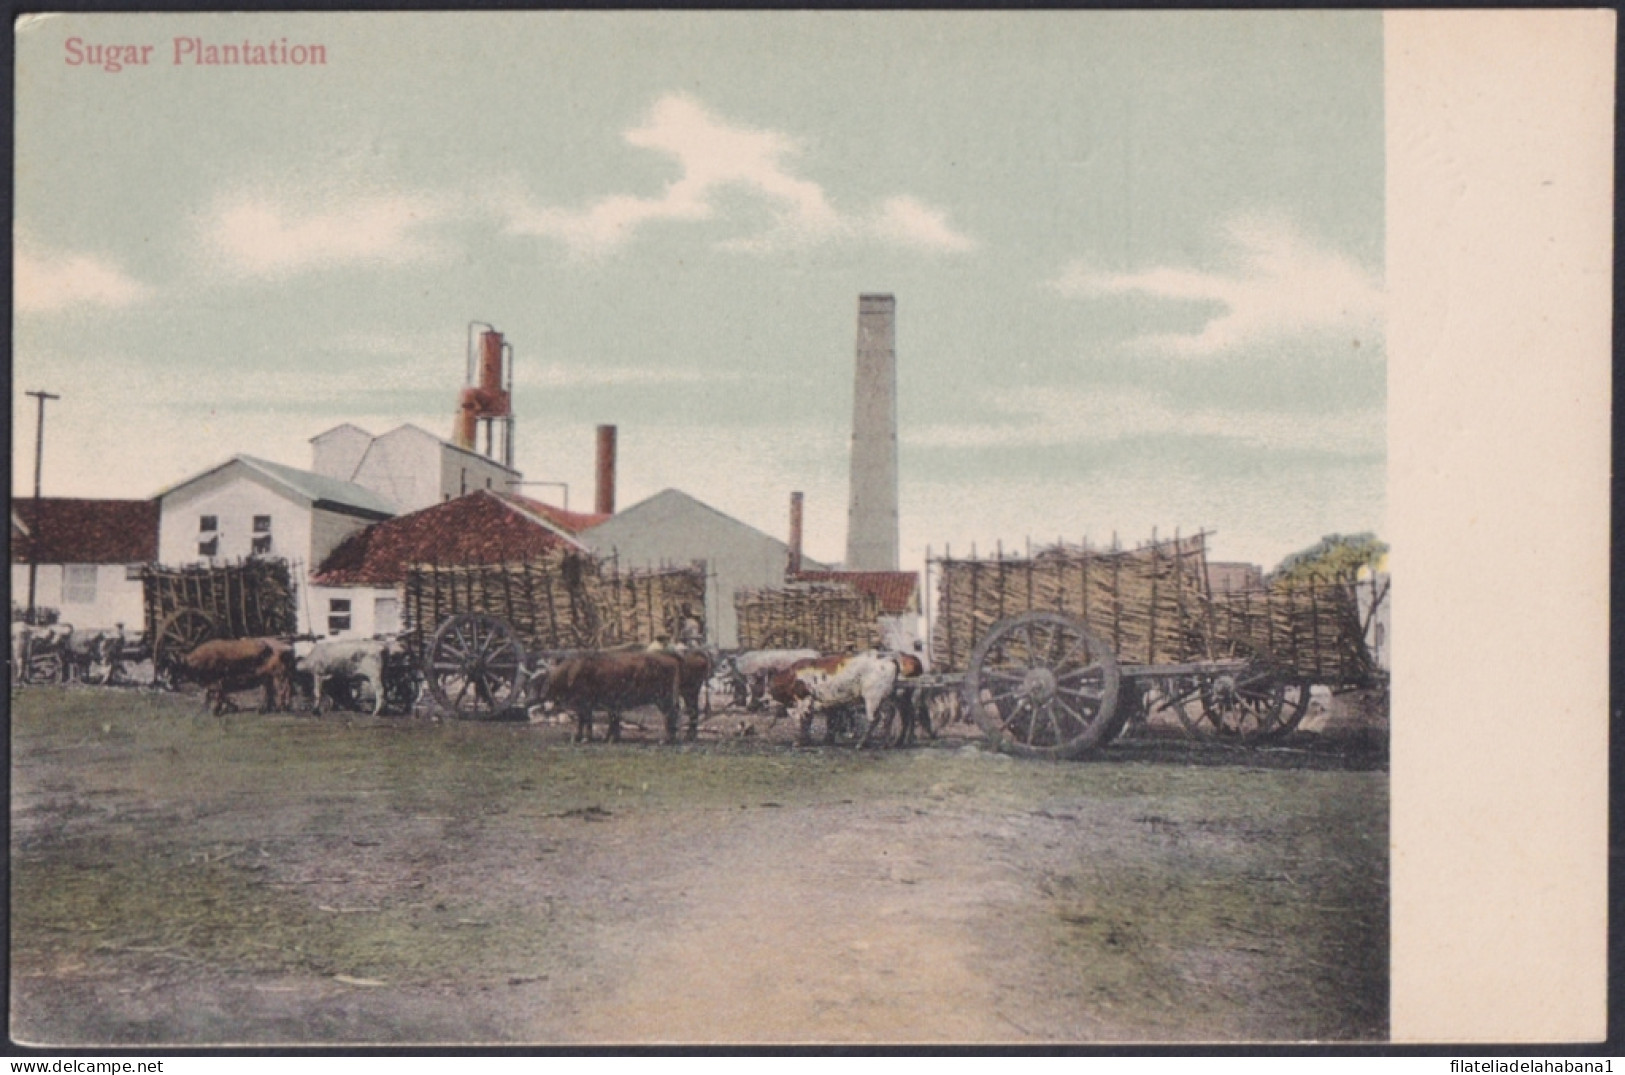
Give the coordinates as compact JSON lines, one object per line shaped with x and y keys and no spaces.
{"x":1083,"y":721}
{"x":1094,"y":671}
{"x":1021,"y":703}
{"x":1083,"y":694}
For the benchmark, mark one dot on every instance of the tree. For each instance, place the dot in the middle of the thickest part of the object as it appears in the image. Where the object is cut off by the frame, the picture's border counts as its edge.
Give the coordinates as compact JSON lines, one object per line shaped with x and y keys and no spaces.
{"x":1335,"y":558}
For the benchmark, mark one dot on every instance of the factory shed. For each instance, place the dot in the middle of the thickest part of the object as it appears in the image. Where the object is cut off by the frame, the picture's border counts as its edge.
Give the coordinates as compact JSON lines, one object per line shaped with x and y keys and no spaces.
{"x":409,"y":467}
{"x":88,"y":555}
{"x":355,"y":591}
{"x":672,"y":527}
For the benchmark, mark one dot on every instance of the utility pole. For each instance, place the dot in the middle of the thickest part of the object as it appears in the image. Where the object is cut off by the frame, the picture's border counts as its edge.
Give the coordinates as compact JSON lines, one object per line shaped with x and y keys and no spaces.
{"x":34,"y":537}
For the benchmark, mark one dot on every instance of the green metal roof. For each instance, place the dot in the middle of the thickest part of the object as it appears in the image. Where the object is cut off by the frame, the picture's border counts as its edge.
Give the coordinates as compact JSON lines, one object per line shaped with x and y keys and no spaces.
{"x":322,"y":490}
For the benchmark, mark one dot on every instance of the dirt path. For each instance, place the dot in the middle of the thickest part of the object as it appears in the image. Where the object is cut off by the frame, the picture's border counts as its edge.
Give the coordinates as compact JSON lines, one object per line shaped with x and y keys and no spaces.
{"x":822,"y":926}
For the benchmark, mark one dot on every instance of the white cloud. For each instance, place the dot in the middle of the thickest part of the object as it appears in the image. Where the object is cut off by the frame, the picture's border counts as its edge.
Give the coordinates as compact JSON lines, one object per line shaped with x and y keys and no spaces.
{"x":1278,"y":285}
{"x":1046,"y":416}
{"x":908,"y":222}
{"x":259,"y":235}
{"x":714,"y":157}
{"x":45,"y":282}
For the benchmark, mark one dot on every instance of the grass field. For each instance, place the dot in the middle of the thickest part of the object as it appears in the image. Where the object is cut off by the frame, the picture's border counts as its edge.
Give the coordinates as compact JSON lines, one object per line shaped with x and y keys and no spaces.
{"x":178,"y":879}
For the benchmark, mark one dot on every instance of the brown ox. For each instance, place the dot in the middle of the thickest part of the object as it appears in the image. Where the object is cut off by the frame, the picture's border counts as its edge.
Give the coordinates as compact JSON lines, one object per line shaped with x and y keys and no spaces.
{"x":224,"y":666}
{"x":614,"y":681}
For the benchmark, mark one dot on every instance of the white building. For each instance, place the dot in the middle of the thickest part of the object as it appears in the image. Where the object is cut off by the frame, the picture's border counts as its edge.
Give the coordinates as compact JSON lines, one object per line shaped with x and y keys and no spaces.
{"x":90,"y":554}
{"x":408,"y":467}
{"x":251,"y":507}
{"x":671,"y":528}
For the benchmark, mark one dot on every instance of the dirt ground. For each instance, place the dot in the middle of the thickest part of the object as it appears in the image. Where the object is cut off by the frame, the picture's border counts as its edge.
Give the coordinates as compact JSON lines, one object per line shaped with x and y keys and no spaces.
{"x":177,"y":879}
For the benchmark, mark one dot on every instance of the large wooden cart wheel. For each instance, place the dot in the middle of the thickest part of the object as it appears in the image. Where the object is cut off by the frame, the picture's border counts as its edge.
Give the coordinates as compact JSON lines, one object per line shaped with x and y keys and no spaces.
{"x":475,"y":667}
{"x":179,"y":634}
{"x":1042,"y":684}
{"x":1174,"y":701}
{"x":1251,"y":705}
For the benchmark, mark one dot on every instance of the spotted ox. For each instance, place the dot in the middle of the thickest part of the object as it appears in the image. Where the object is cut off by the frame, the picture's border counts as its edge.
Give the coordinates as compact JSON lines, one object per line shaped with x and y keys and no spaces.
{"x":346,"y":661}
{"x":613,"y":681}
{"x":753,"y":670}
{"x":827,"y":684}
{"x":224,"y":666}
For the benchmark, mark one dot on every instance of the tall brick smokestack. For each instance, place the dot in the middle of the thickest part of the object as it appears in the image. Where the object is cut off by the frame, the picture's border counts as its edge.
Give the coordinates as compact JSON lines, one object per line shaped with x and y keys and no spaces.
{"x":604,"y":494}
{"x":871,"y":522}
{"x":795,"y":536}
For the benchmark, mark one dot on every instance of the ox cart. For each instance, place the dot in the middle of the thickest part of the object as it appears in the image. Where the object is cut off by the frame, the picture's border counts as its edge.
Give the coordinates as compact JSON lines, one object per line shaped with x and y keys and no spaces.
{"x":1052,"y":654}
{"x":187,"y":606}
{"x":486,"y":630}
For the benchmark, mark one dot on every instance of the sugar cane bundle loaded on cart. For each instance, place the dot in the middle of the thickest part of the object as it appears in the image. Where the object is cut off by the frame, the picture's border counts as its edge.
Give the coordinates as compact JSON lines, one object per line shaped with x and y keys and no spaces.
{"x":187,"y":606}
{"x":1052,"y":653}
{"x":488,"y":629}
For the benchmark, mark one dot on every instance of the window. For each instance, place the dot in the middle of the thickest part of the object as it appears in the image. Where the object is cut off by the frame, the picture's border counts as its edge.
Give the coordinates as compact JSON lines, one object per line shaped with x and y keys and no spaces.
{"x":79,"y":584}
{"x":211,"y":547}
{"x":208,"y":524}
{"x":488,"y":483}
{"x":464,"y":483}
{"x":261,"y":544}
{"x":386,"y":616}
{"x":338,"y":615}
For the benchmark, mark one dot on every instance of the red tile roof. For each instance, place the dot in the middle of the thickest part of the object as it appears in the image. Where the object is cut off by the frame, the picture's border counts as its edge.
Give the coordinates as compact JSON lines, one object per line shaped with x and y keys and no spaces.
{"x":572,"y":521}
{"x":480,"y":528}
{"x":896,"y":589}
{"x":87,"y":531}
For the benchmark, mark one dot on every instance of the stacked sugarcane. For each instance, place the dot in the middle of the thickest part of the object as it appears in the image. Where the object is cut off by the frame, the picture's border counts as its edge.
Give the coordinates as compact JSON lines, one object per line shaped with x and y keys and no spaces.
{"x":253,"y":598}
{"x":1148,"y":603}
{"x":543,"y":599}
{"x":648,"y":605}
{"x":830,"y":618}
{"x":1310,"y":629}
{"x":559,"y":600}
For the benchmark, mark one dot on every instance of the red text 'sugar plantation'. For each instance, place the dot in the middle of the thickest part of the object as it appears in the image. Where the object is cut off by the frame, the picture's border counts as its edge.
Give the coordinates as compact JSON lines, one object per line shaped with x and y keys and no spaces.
{"x":193,"y":52}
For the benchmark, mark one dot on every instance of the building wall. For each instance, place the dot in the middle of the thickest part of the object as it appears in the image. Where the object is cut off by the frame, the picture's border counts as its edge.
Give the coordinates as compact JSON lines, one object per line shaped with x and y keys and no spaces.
{"x":674,"y":530}
{"x":1380,"y":629}
{"x":117,"y":597}
{"x":464,"y":472}
{"x":327,"y":529}
{"x":403,"y":467}
{"x":414,"y":469}
{"x":371,"y":611}
{"x":233,"y":495}
{"x":337,"y":453}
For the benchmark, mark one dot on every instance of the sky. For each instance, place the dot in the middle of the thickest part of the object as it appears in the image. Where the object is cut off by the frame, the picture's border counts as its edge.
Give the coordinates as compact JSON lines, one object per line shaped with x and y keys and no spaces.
{"x":1138,"y":257}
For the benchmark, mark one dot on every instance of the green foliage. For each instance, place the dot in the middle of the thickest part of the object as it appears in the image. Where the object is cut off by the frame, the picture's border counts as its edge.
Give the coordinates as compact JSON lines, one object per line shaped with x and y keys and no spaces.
{"x":1335,"y":558}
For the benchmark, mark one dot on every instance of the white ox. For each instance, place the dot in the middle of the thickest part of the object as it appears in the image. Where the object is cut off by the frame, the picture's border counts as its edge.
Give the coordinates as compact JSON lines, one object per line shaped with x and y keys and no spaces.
{"x":355,"y":659}
{"x":829,"y":683}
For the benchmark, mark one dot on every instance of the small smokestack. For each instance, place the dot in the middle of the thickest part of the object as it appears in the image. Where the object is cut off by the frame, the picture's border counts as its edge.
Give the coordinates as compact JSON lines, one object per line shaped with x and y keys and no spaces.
{"x":604,"y":499}
{"x":795,"y":535}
